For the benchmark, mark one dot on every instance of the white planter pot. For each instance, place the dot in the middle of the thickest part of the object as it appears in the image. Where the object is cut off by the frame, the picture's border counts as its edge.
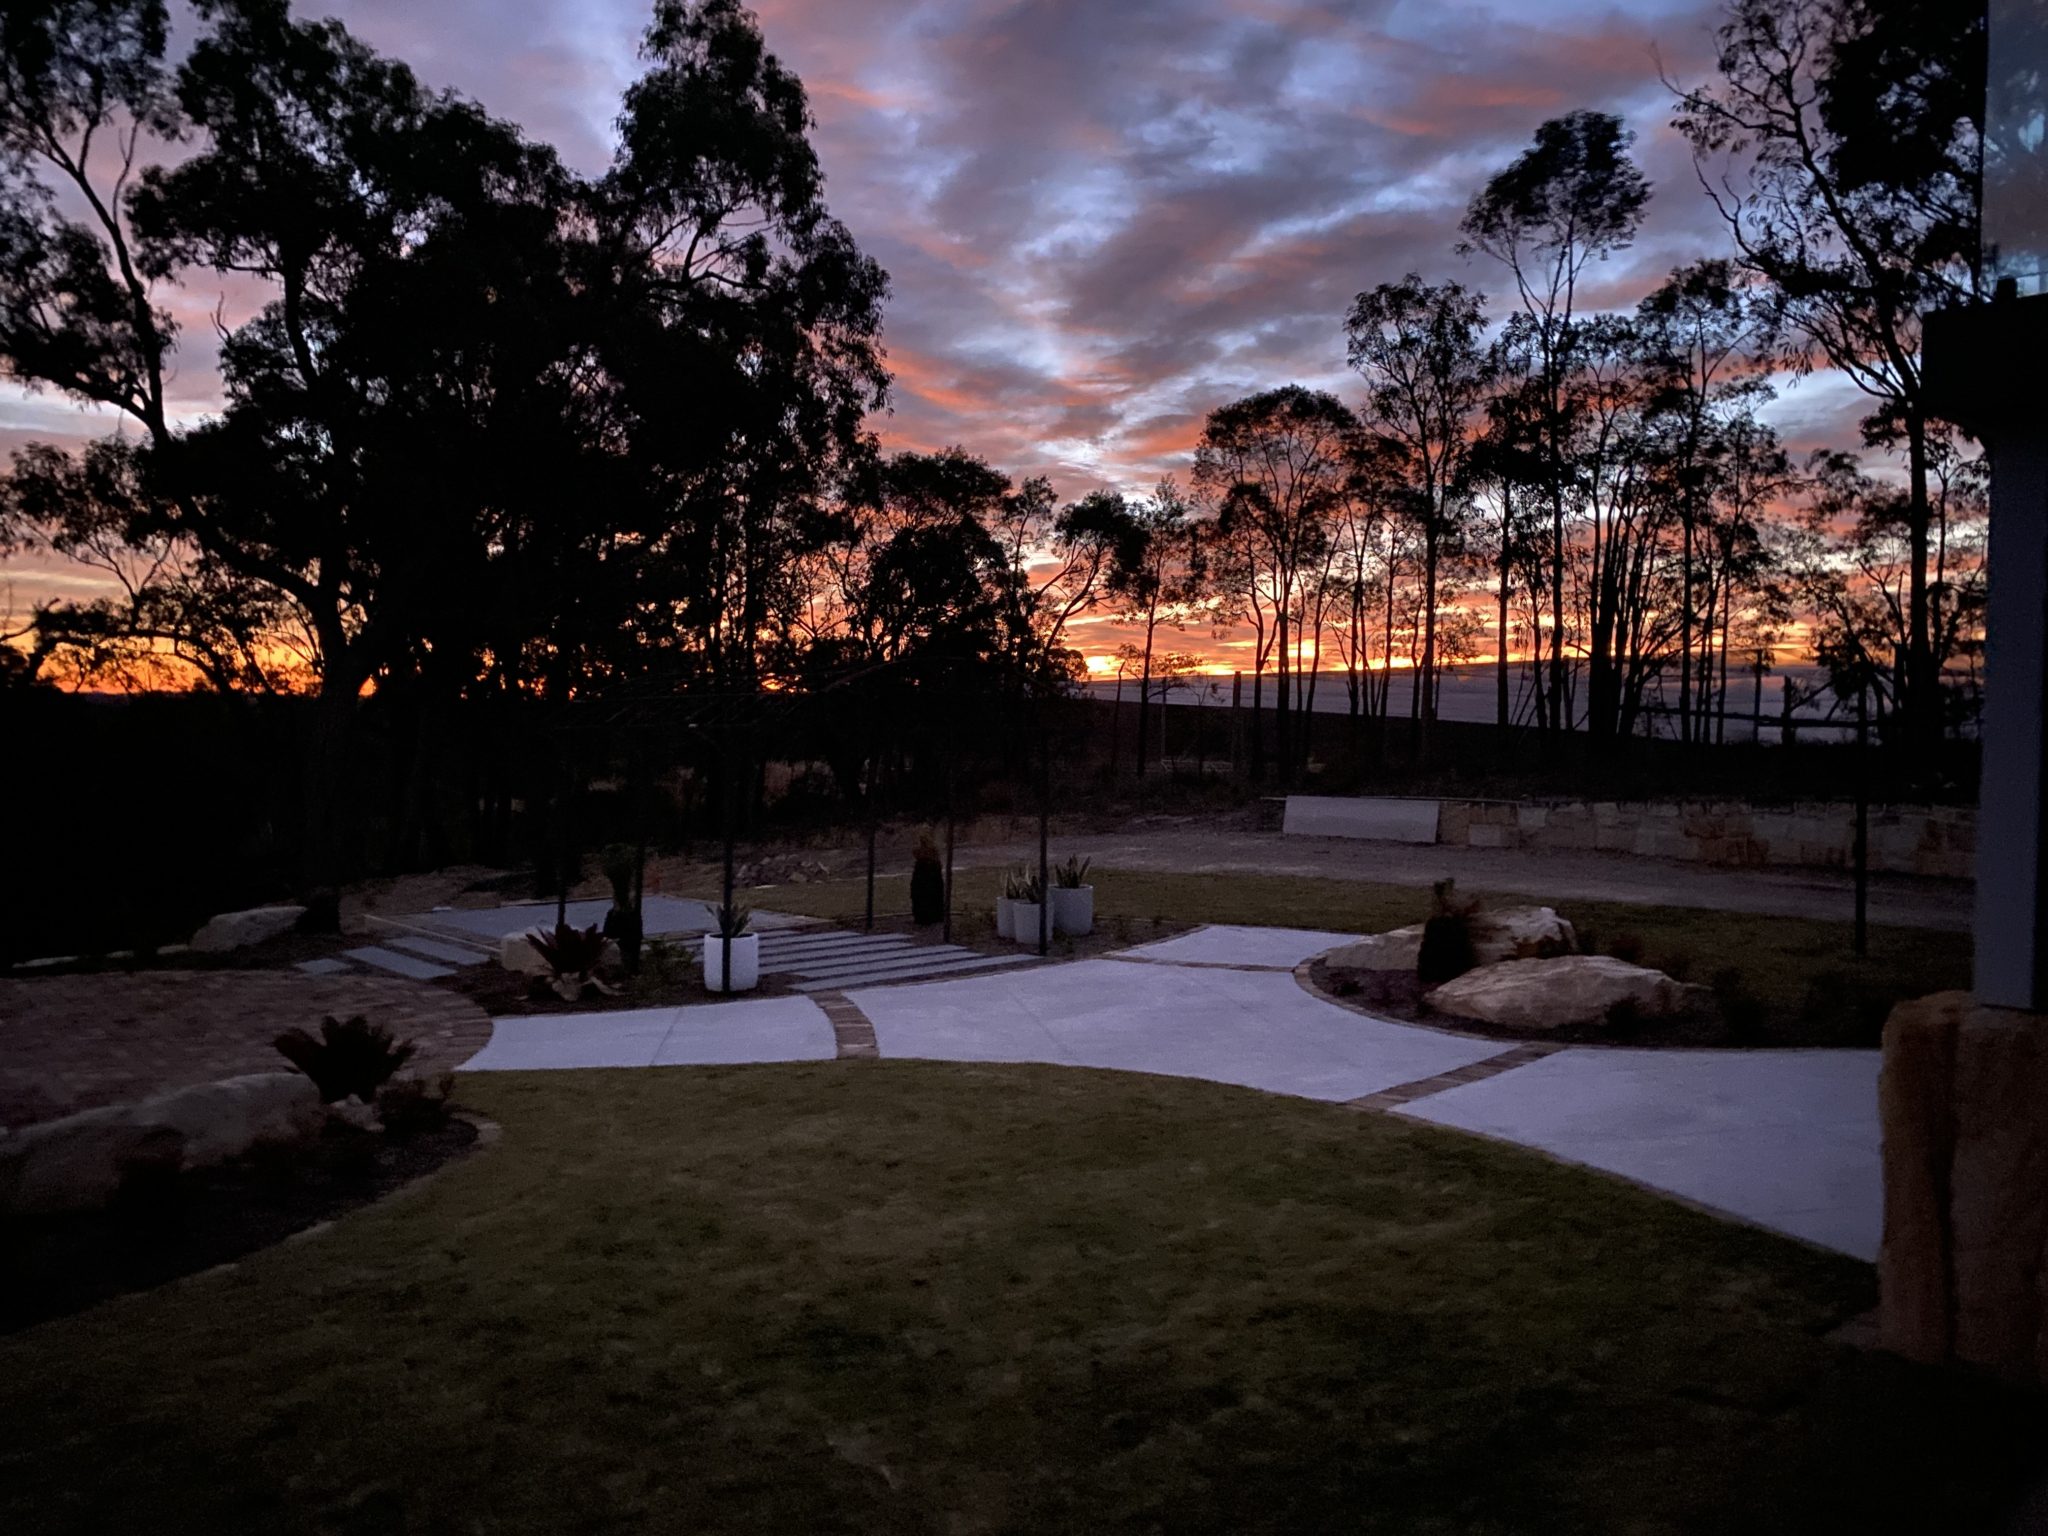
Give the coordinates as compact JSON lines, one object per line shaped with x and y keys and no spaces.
{"x":1073,"y":910}
{"x":746,"y":963}
{"x":1024,"y":923}
{"x":1006,"y":917}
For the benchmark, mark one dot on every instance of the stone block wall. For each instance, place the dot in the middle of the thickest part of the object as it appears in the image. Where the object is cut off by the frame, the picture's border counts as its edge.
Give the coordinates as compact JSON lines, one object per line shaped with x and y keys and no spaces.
{"x":1960,"y":1273}
{"x":1915,"y":840}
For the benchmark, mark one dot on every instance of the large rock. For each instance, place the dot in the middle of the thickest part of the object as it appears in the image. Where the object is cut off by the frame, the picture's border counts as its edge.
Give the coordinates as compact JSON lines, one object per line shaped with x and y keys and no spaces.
{"x":1520,"y":933}
{"x":516,"y":952}
{"x":1569,"y":991}
{"x":1397,"y":950}
{"x":225,"y":1119}
{"x":238,"y":930}
{"x":81,"y":1161}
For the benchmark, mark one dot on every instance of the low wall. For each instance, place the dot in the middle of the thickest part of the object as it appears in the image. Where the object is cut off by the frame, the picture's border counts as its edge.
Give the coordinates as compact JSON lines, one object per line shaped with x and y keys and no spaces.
{"x":1910,"y":840}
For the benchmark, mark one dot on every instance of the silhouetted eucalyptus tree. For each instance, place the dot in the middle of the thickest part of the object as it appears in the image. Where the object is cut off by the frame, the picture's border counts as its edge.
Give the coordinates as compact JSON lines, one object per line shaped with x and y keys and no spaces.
{"x":1420,"y":348}
{"x":1839,"y":142}
{"x":1279,"y":465}
{"x":1572,"y":198}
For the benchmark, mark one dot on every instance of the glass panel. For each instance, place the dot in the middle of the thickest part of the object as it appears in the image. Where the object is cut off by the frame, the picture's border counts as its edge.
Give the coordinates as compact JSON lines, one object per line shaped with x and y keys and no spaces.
{"x":2016,"y":146}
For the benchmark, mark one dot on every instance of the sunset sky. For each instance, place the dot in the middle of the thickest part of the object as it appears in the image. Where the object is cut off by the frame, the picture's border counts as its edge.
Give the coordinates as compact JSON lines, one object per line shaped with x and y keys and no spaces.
{"x":1102,"y":218}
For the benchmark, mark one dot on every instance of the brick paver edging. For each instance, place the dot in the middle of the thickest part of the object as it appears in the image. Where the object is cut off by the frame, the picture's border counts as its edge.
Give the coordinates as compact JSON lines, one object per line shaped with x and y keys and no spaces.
{"x":852,"y":1031}
{"x":1457,"y":1077}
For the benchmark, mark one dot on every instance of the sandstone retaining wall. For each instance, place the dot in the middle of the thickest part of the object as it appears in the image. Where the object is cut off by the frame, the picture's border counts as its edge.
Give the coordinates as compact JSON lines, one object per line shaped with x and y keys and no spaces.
{"x":1912,"y":840}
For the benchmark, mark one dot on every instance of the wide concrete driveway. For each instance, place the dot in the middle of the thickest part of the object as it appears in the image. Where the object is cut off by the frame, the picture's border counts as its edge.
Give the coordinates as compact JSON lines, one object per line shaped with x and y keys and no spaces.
{"x":1785,"y":1139}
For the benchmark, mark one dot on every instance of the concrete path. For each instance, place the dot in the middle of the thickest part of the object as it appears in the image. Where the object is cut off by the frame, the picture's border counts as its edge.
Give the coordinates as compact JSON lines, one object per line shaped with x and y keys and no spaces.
{"x":708,"y":1035}
{"x":1784,"y":1139}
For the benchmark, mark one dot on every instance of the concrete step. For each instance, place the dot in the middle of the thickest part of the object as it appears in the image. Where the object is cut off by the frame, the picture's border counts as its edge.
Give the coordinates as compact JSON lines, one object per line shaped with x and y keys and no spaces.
{"x":889,"y":976}
{"x":911,"y":955}
{"x":412,"y":967}
{"x":442,"y":950}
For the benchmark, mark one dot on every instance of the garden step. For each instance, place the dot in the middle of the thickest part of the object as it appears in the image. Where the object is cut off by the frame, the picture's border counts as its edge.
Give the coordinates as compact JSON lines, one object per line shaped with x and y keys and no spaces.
{"x":896,"y":975}
{"x":830,"y":943}
{"x":398,"y":963}
{"x":862,"y":960}
{"x":441,"y":949}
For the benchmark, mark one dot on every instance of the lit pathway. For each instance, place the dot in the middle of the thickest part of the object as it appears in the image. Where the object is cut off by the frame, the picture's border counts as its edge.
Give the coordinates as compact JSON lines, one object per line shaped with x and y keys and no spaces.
{"x":1785,"y":1139}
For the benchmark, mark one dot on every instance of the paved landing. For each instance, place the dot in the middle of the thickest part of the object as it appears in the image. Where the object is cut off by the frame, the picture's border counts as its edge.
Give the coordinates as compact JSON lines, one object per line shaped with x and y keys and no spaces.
{"x":1226,"y":944}
{"x":661,"y":916}
{"x":1256,"y":1030}
{"x":711,"y":1034}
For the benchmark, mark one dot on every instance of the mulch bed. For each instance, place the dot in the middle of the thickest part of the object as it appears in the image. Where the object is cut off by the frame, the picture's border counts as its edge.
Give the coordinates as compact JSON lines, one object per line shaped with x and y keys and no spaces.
{"x":179,"y":1224}
{"x":78,"y":1041}
{"x":1399,"y":995}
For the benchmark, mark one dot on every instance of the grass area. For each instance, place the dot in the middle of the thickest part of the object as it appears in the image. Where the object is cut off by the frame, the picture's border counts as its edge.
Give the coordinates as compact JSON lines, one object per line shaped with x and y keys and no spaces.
{"x":1791,"y":980}
{"x":916,"y":1297}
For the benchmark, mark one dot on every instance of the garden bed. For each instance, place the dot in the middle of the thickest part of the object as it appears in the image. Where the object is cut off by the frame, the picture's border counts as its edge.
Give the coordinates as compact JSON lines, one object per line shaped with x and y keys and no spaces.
{"x":179,"y":1224}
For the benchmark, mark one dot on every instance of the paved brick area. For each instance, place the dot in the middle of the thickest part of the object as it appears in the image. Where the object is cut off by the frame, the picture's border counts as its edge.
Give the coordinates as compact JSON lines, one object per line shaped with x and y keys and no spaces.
{"x":75,"y":1042}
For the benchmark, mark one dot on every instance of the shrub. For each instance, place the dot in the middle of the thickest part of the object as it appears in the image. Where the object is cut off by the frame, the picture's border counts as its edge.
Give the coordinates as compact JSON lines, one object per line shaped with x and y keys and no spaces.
{"x":1626,"y":946}
{"x":622,"y":924}
{"x":351,"y":1060}
{"x":1742,"y":1011}
{"x":413,"y":1106}
{"x":927,"y":884}
{"x":1446,"y":950}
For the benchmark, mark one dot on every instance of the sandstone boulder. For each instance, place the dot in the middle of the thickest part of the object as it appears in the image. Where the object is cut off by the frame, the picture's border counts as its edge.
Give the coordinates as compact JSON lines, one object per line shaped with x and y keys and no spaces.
{"x":1569,"y":991}
{"x":1916,"y":1107}
{"x":516,"y":953}
{"x":224,"y":1119}
{"x":1393,"y":951}
{"x":1520,"y":933}
{"x":238,"y":930}
{"x":81,"y":1161}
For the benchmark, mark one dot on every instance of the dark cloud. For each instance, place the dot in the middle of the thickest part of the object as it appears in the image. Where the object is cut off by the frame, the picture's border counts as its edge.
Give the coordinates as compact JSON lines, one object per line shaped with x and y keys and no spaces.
{"x":1105,"y":217}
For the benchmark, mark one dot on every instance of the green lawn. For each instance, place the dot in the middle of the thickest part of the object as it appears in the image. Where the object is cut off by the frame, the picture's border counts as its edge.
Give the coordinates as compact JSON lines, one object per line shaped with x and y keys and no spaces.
{"x":911,"y":1297}
{"x":1798,"y":977}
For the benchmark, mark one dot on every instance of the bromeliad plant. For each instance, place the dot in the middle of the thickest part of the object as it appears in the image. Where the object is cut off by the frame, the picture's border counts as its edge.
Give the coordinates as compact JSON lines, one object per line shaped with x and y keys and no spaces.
{"x":731,"y":922}
{"x":1071,"y":875}
{"x":572,"y":956}
{"x":348,"y":1060}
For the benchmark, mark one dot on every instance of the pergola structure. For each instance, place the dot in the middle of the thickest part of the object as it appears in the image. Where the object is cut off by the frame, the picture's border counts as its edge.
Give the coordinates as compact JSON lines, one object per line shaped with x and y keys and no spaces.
{"x":945,"y":712}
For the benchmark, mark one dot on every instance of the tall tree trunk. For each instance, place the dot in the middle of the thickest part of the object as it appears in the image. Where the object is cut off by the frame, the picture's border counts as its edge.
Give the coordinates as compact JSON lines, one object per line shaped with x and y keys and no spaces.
{"x":1145,"y":689}
{"x":1282,"y":740}
{"x":1923,"y":691}
{"x":1501,"y":708}
{"x":1425,"y":731}
{"x":1685,"y":631}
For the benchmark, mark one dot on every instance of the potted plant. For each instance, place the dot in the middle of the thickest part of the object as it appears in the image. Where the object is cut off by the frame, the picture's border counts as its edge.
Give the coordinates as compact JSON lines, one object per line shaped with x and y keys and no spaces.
{"x":1073,"y":899}
{"x":927,"y":883}
{"x":1024,"y":915}
{"x":1006,"y":904}
{"x":731,"y":937}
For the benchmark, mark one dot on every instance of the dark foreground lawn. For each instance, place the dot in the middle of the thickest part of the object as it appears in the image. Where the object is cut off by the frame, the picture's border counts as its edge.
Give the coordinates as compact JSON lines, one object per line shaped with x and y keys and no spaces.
{"x":1782,"y":980}
{"x":901,"y":1297}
